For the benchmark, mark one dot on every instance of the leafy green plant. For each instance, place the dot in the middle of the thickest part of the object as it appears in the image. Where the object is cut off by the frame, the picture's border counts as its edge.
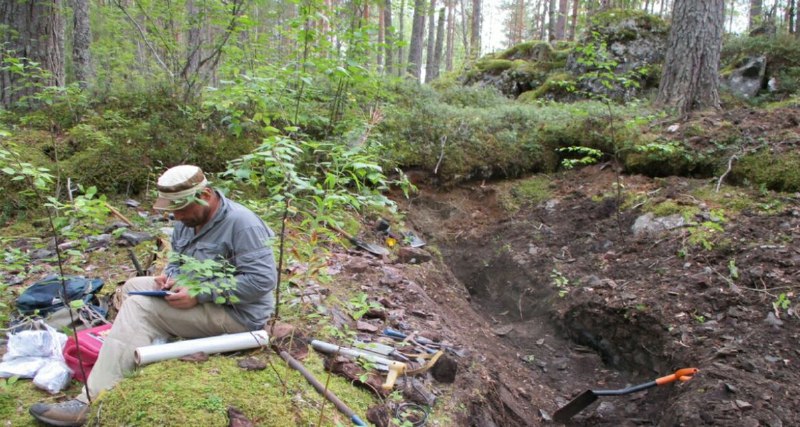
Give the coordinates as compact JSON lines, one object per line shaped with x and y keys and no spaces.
{"x":560,"y":281}
{"x":781,"y":303}
{"x":586,"y":156}
{"x":360,"y":305}
{"x":206,"y":277}
{"x":733,"y":270}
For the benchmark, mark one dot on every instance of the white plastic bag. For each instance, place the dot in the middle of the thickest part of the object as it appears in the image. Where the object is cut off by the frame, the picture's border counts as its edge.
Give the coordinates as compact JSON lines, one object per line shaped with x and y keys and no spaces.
{"x":47,"y":343}
{"x":37,"y":354}
{"x":53,"y":377}
{"x":23,"y":367}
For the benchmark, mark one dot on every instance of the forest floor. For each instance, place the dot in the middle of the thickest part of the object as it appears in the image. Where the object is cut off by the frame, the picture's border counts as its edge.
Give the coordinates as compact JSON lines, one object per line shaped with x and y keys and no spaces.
{"x":546,"y":291}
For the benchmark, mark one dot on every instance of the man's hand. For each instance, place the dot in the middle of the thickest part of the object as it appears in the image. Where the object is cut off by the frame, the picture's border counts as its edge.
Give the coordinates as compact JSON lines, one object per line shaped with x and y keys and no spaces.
{"x":181,"y":299}
{"x":164,"y":282}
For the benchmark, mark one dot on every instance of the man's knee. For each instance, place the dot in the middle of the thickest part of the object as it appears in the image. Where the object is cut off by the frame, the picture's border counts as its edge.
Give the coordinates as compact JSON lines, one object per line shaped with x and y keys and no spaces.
{"x":144,"y":283}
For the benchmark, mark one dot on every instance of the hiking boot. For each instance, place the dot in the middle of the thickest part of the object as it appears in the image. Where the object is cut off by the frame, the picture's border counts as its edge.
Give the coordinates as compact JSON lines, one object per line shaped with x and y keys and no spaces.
{"x":70,"y":413}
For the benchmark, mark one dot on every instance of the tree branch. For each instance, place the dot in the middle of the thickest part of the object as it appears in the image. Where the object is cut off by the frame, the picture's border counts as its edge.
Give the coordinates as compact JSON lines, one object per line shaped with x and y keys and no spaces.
{"x":144,"y":38}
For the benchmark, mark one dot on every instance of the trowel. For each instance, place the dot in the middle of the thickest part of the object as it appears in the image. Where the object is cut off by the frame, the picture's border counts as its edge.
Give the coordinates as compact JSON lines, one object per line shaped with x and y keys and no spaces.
{"x":563,"y":414}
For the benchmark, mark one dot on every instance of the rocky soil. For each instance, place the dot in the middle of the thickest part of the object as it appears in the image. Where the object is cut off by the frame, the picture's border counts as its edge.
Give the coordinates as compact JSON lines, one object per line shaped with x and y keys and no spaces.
{"x":562,"y":296}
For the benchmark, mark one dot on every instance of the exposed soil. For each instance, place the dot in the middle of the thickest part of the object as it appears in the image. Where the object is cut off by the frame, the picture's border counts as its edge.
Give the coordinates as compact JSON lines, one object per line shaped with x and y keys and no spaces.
{"x":633,"y":308}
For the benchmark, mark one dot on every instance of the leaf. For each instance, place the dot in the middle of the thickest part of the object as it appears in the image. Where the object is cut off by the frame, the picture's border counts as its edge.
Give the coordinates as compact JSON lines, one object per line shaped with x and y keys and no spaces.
{"x":219,"y":300}
{"x":76,"y":304}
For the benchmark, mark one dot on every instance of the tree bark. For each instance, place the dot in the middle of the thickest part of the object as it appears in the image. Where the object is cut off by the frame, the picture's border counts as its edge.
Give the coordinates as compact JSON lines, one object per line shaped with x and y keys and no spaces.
{"x":561,"y":21}
{"x":551,"y":21}
{"x":400,"y":36}
{"x":573,"y":27}
{"x":437,"y":54}
{"x":465,"y":40}
{"x":417,"y":35}
{"x":475,"y":33}
{"x":431,"y":43}
{"x":797,"y":20}
{"x":81,"y":42}
{"x":37,"y":35}
{"x":390,"y":37}
{"x":451,"y":34}
{"x":690,"y":79}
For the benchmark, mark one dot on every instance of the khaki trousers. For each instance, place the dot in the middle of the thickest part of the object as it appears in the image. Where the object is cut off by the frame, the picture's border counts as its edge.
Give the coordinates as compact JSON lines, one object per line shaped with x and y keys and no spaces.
{"x":141,"y":320}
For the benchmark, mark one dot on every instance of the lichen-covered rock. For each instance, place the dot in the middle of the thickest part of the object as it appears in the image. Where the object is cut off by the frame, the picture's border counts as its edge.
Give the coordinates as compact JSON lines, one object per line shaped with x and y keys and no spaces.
{"x":749,"y":78}
{"x":630,"y":43}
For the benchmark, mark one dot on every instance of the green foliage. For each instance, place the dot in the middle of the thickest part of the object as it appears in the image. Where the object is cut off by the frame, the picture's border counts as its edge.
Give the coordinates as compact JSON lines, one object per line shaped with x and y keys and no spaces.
{"x":585,"y":156}
{"x":82,"y":216}
{"x":560,"y":281}
{"x":207,"y":277}
{"x":781,"y":303}
{"x":360,"y":305}
{"x":320,"y":179}
{"x":621,"y":25}
{"x":20,"y":178}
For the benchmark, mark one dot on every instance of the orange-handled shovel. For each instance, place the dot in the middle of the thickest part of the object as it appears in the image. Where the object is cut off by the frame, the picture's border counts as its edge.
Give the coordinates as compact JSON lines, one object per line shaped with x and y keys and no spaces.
{"x":563,"y":414}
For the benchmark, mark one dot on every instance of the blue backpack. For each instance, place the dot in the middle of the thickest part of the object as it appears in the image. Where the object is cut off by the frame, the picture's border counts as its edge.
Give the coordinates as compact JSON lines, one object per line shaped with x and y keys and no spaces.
{"x":47,"y":295}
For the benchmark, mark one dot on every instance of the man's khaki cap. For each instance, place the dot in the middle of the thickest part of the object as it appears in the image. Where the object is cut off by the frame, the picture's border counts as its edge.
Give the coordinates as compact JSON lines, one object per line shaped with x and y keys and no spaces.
{"x":178,"y":186}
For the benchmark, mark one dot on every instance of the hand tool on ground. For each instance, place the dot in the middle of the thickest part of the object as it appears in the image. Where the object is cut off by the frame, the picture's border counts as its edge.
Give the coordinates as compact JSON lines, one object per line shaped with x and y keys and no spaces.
{"x":395,"y":368}
{"x":408,"y":238}
{"x":321,"y":389}
{"x":380,"y":349}
{"x":369,"y":247}
{"x":422,"y":342}
{"x":586,"y":398}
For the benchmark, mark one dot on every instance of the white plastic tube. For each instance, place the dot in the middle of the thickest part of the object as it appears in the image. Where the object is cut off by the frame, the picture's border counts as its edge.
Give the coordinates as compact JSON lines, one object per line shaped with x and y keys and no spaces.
{"x":218,"y":344}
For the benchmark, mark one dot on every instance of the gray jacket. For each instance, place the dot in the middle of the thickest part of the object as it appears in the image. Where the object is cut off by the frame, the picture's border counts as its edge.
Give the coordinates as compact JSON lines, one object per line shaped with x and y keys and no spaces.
{"x":240,"y":237}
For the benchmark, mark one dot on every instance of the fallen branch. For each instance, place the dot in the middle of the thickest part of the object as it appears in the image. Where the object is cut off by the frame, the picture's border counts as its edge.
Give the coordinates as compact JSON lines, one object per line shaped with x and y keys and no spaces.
{"x":119,"y":215}
{"x":442,"y":140}
{"x":730,"y":166}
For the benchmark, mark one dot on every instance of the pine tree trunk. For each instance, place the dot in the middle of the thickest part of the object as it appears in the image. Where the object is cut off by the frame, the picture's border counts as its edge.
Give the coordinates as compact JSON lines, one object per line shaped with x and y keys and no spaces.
{"x":475,"y":33}
{"x":437,"y":54}
{"x":431,"y":43}
{"x":37,"y":36}
{"x":381,"y":39}
{"x":690,"y":78}
{"x":465,"y":40}
{"x":561,"y":21}
{"x":543,"y":20}
{"x":573,"y":27}
{"x":194,"y":44}
{"x":451,"y":34}
{"x":551,"y":21}
{"x":81,"y":41}
{"x":797,"y":20}
{"x":390,"y":37}
{"x":417,"y":35}
{"x":400,"y":36}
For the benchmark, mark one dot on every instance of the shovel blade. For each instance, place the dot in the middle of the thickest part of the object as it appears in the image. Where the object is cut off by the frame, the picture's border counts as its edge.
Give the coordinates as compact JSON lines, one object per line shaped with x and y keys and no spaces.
{"x":563,"y":414}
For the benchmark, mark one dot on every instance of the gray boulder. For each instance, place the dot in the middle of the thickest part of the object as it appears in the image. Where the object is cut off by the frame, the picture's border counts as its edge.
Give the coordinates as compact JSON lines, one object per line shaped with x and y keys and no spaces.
{"x":748,"y":79}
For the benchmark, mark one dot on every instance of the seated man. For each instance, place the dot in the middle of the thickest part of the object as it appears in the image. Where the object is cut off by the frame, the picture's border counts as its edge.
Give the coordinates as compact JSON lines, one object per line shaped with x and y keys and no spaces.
{"x":209,"y":226}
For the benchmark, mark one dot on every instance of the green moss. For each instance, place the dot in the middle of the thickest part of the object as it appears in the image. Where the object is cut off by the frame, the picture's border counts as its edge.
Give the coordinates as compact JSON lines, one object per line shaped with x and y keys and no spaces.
{"x":494,"y":66}
{"x":527,"y":192}
{"x":611,"y":24}
{"x":666,"y":208}
{"x":778,"y":172}
{"x":556,"y":84}
{"x":530,"y":51}
{"x":180,"y":393}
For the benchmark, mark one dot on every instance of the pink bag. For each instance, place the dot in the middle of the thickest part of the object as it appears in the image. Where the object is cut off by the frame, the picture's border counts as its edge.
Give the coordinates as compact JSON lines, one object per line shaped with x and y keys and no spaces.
{"x":90,"y":342}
